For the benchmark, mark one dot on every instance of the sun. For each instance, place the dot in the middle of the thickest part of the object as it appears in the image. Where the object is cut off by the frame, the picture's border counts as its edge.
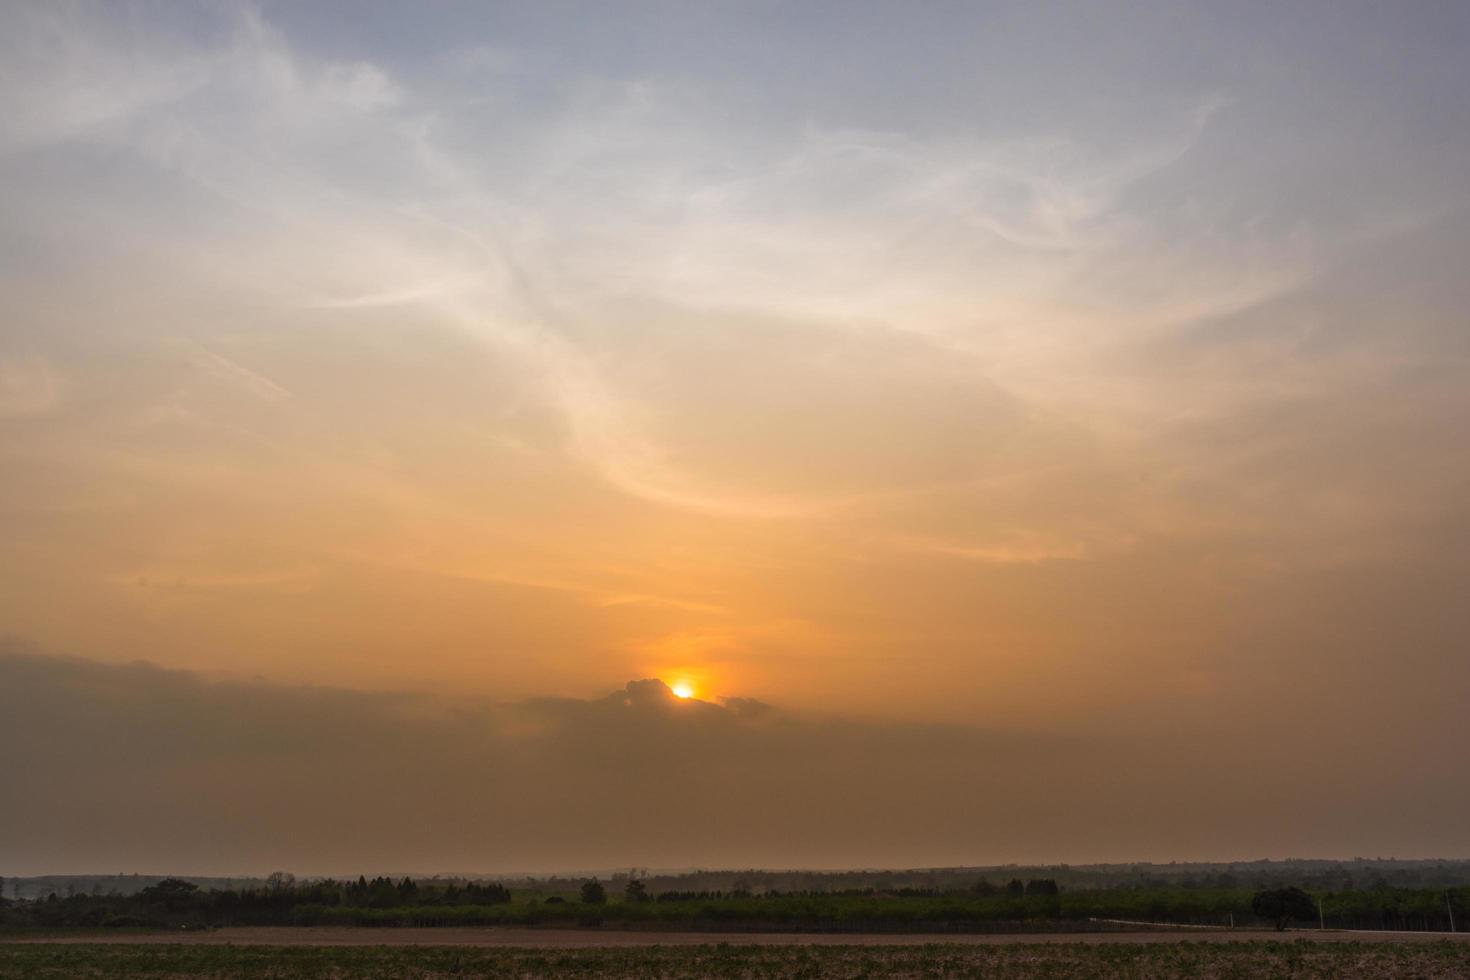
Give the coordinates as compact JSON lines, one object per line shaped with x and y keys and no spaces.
{"x":683,"y":689}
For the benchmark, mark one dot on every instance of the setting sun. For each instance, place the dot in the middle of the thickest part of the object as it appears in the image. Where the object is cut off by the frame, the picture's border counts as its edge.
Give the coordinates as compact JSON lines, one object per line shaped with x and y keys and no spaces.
{"x":682,"y":689}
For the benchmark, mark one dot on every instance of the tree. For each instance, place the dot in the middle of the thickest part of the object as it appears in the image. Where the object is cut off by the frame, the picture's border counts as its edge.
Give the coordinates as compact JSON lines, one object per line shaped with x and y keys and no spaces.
{"x":593,"y":892}
{"x":1042,"y":886}
{"x":636,"y":891}
{"x":1281,"y":905}
{"x":1015,"y":888}
{"x":492,"y":894}
{"x":170,"y":888}
{"x":174,"y":894}
{"x":382,"y":893}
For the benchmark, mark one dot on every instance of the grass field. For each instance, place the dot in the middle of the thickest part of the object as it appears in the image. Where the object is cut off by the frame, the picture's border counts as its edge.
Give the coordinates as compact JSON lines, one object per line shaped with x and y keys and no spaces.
{"x":1182,"y":960}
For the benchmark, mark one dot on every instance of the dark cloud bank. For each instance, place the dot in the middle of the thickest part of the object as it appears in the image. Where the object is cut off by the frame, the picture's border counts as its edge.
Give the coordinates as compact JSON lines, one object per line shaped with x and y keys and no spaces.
{"x":133,"y":767}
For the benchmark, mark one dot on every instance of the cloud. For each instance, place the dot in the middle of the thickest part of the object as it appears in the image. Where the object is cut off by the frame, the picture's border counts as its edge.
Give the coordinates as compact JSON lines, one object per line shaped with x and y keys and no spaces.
{"x":225,"y":369}
{"x":625,"y":212}
{"x":64,"y":79}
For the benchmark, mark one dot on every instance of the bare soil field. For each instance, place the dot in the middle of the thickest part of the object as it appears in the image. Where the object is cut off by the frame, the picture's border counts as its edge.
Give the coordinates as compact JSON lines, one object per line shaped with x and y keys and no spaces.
{"x":495,"y":937}
{"x":1154,"y":956}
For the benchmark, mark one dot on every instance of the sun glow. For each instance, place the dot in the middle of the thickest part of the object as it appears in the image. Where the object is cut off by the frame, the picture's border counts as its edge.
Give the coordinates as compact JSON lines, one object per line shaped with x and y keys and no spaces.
{"x":682,"y":689}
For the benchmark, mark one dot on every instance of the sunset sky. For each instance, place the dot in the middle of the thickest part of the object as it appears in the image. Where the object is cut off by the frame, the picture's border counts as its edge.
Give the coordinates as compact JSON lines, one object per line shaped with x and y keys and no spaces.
{"x":1034,"y":431}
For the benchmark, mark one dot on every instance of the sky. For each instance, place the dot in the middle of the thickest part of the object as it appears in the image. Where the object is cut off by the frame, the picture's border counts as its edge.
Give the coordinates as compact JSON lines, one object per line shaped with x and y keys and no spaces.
{"x":1034,"y":432}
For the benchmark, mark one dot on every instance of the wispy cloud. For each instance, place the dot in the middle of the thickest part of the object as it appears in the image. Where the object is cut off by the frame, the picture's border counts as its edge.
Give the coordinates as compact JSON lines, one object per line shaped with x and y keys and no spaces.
{"x":1017,"y":255}
{"x":235,"y":373}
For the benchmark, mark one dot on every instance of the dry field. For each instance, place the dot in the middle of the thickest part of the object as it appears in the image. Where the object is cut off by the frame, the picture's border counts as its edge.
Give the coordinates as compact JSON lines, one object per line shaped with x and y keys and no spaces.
{"x":1153,"y":956}
{"x":503,"y":937}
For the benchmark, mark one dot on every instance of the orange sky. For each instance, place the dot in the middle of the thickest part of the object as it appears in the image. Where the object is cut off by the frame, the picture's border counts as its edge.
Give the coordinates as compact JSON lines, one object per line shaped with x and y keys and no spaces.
{"x":1080,"y":377}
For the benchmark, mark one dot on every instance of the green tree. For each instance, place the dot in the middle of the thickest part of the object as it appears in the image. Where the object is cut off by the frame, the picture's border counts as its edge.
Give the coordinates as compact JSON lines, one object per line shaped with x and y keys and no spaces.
{"x":593,"y":892}
{"x":636,"y":891}
{"x":382,"y":893}
{"x":1282,"y":905}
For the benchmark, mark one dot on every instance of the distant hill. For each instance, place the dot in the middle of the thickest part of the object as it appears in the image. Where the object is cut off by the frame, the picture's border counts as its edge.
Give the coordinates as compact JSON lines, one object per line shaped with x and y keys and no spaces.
{"x":118,"y":884}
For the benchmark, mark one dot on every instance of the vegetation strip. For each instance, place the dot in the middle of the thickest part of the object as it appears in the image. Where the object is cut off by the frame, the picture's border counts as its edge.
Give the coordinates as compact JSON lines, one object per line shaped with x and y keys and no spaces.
{"x":1038,"y":905}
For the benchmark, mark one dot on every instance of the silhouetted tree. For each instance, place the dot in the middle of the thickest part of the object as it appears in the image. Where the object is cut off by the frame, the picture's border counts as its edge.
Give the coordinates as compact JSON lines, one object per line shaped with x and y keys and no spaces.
{"x":593,"y":892}
{"x":169,"y":887}
{"x":984,"y":887}
{"x":1281,"y":905}
{"x":636,"y":891}
{"x":1042,"y":886}
{"x":492,"y":894}
{"x":382,"y":893}
{"x":173,"y":894}
{"x":1015,"y":888}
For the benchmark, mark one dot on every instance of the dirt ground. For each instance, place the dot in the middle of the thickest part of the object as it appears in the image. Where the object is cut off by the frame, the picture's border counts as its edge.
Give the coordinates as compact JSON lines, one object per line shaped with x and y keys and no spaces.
{"x":587,"y":938}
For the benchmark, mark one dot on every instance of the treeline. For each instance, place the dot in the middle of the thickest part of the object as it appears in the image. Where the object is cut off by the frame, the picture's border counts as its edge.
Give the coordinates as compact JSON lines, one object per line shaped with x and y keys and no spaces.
{"x":1015,"y":888}
{"x":1315,"y":875}
{"x":1037,"y":904}
{"x":175,"y":903}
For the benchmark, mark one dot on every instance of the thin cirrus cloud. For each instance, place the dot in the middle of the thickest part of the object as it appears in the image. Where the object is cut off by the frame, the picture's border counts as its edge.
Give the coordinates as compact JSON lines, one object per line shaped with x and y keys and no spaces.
{"x":970,"y":244}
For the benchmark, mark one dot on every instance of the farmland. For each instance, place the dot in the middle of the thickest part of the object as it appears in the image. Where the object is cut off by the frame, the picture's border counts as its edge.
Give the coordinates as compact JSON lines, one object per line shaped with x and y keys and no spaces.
{"x":1304,"y":960}
{"x":1036,"y":906}
{"x":1206,"y":923}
